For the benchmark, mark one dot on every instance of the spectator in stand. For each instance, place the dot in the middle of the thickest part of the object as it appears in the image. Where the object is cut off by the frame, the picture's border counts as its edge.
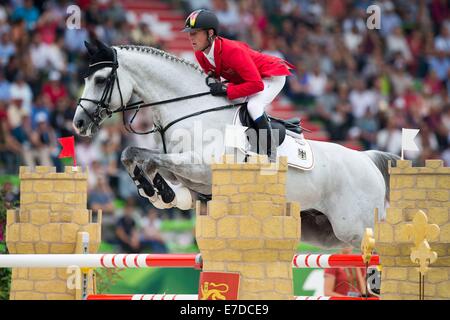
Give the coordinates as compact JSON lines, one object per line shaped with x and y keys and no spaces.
{"x":396,"y":43}
{"x":389,"y":139}
{"x":109,"y":162}
{"x":7,"y":48}
{"x":345,"y":282}
{"x":40,"y":106}
{"x":5,"y":87}
{"x":61,"y":117}
{"x":43,"y":140}
{"x":151,"y":232}
{"x":327,"y":103}
{"x":317,"y":81}
{"x":440,"y":64}
{"x":15,"y":116}
{"x":47,"y":27}
{"x":21,"y":91}
{"x":127,"y":231}
{"x":101,"y":198}
{"x":228,"y":15}
{"x":74,"y":38}
{"x":10,"y":195}
{"x":298,"y":88}
{"x":439,"y":12}
{"x":28,"y":12}
{"x":10,"y":149}
{"x":362,"y":99}
{"x":142,"y":35}
{"x":54,"y":89}
{"x":390,"y":20}
{"x":432,"y":84}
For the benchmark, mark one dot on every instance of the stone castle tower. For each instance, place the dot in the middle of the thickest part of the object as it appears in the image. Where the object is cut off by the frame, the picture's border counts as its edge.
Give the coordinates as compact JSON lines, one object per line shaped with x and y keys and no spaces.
{"x":52,"y":219}
{"x":249,"y":228}
{"x":412,"y":189}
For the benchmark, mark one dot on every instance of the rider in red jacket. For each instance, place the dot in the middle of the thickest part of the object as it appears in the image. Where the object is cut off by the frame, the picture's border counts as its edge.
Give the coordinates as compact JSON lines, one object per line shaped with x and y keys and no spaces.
{"x":251,"y":74}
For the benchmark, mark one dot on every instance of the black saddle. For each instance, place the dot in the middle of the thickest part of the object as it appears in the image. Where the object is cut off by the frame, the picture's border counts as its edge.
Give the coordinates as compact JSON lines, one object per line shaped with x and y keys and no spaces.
{"x":277,"y":124}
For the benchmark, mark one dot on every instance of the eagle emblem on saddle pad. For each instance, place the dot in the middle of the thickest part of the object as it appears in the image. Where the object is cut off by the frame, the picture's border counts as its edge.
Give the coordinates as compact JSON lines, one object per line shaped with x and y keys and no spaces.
{"x":302,"y":154}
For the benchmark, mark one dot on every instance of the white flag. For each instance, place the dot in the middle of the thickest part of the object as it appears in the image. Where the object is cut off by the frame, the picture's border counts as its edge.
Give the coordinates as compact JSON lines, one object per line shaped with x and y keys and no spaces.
{"x":235,"y":136}
{"x":408,"y":136}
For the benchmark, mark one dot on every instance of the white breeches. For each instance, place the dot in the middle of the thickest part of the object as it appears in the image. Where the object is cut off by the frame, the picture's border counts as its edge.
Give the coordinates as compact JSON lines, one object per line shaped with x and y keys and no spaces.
{"x":257,"y":103}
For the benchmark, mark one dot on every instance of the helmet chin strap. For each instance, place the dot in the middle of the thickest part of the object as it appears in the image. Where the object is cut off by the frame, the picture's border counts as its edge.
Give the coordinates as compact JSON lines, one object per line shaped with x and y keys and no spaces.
{"x":210,"y":41}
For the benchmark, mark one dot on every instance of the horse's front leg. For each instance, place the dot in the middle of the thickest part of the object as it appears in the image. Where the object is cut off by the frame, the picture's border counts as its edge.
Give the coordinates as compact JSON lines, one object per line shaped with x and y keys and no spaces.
{"x":133,"y":158}
{"x":185,"y":166}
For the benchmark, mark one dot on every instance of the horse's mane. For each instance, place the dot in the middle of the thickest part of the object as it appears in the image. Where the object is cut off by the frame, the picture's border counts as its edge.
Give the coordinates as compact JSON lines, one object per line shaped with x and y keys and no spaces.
{"x":164,"y":54}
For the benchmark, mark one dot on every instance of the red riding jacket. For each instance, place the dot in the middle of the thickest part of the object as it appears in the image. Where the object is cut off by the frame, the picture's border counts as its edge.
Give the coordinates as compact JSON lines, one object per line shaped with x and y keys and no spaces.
{"x":242,"y":66}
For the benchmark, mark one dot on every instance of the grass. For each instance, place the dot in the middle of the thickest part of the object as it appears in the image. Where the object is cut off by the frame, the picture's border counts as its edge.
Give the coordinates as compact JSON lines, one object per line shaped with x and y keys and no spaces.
{"x":178,"y":225}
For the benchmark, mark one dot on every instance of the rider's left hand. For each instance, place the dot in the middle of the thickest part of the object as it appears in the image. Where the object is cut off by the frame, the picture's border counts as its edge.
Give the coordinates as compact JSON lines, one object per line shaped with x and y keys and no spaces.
{"x":218,"y":89}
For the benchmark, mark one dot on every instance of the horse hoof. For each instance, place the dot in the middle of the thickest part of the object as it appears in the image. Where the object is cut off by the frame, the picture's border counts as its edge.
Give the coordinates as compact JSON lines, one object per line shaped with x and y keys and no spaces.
{"x":145,"y":188}
{"x":164,"y":190}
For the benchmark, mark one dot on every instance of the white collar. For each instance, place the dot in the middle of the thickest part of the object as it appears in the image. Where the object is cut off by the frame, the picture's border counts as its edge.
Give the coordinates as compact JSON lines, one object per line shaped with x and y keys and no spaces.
{"x":210,"y":55}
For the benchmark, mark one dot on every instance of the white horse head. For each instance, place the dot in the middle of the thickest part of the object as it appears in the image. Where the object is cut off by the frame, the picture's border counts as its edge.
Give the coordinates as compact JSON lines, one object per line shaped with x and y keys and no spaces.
{"x":107,"y":88}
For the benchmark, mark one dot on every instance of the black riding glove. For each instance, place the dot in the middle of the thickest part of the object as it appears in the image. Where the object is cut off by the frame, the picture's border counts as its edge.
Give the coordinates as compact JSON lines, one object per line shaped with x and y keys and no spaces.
{"x":218,"y":89}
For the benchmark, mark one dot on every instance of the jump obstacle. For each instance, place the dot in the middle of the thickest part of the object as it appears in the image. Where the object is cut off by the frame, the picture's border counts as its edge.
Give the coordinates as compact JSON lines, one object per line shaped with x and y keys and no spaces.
{"x":303,"y":261}
{"x":147,"y":297}
{"x":300,"y":261}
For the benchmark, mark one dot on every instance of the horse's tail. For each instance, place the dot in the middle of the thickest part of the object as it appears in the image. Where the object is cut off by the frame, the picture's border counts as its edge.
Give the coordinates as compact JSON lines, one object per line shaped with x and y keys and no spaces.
{"x":380,"y":159}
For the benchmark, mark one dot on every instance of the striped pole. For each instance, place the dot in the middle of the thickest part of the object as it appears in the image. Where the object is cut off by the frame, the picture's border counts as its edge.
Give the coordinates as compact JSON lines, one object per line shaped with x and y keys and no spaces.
{"x":164,"y":260}
{"x":100,"y":260}
{"x":334,"y":298}
{"x":332,"y":261}
{"x":195,"y":297}
{"x":142,"y":297}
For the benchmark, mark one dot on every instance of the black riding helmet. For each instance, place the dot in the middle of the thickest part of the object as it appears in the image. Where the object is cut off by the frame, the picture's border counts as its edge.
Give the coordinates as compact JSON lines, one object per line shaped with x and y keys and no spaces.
{"x":201,"y":20}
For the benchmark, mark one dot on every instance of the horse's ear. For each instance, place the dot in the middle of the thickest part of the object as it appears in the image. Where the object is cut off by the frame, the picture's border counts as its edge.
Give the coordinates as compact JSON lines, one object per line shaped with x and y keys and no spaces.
{"x":100,"y":44}
{"x":90,"y":48}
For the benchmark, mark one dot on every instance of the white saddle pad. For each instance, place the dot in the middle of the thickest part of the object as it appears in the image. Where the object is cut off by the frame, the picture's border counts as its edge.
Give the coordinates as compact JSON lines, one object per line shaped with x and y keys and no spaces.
{"x":297,"y":150}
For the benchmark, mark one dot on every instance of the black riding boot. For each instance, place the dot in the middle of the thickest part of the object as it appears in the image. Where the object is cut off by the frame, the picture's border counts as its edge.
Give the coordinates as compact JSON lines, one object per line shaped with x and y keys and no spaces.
{"x":263,"y":123}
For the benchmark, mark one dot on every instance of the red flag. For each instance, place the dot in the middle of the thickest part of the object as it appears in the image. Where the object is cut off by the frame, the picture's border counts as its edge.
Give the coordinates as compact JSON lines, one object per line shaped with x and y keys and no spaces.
{"x":68,"y":149}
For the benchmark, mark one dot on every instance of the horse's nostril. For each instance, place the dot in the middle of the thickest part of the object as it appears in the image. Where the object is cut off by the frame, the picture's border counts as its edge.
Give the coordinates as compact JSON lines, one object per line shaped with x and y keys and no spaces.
{"x":80,"y":123}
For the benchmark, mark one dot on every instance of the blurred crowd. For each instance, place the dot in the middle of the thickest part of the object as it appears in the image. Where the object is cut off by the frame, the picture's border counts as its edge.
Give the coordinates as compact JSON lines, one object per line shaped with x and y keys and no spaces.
{"x":361,"y":85}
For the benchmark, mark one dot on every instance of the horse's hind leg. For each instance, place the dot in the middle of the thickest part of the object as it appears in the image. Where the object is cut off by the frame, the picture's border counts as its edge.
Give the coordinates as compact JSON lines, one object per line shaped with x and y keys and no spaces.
{"x":316,"y":230}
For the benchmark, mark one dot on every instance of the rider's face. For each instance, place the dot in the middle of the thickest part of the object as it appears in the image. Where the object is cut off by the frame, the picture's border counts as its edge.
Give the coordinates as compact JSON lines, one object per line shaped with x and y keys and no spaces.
{"x":199,"y":39}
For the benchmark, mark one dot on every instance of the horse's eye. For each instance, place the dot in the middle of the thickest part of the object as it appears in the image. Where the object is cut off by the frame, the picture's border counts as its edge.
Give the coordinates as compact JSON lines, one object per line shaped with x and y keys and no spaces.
{"x":100,"y":80}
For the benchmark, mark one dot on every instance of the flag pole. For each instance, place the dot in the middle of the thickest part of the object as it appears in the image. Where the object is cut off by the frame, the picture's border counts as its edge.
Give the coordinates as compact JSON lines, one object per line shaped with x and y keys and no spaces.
{"x":75,"y":168}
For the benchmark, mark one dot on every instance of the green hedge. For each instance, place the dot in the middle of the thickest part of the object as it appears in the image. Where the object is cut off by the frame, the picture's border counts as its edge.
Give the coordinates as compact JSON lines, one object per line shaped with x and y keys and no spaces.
{"x":5,"y":274}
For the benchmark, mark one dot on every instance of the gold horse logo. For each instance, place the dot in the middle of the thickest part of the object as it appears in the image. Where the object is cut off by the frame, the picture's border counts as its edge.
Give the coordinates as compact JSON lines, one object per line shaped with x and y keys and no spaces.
{"x":212,"y":291}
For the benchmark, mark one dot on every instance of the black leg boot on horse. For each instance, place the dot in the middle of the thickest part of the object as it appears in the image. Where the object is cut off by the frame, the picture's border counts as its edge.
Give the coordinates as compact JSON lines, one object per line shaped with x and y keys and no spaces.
{"x":266,"y":138}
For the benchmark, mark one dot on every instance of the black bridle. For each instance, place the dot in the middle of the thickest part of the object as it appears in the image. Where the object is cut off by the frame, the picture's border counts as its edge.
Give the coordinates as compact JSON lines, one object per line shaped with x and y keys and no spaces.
{"x":103,"y":110}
